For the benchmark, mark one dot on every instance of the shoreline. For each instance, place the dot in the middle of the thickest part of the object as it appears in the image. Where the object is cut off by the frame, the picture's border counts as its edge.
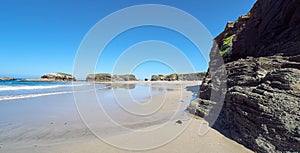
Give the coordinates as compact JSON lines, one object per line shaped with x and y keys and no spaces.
{"x":71,"y":135}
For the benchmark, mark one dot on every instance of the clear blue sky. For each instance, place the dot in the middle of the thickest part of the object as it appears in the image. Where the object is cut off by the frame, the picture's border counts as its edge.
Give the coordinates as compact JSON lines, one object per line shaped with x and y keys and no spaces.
{"x":41,"y":36}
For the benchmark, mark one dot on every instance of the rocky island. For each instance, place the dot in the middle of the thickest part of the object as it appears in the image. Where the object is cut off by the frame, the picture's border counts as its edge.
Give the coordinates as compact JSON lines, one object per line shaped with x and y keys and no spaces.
{"x":261,"y":52}
{"x":53,"y":77}
{"x":104,"y":77}
{"x":177,"y":77}
{"x":7,"y":79}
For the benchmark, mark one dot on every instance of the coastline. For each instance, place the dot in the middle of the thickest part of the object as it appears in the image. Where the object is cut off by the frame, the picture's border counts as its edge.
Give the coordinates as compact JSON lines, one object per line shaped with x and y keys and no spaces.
{"x":69,"y":134}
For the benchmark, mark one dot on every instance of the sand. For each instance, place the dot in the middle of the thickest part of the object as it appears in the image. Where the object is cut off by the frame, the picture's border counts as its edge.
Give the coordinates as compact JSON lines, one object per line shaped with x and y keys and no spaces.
{"x":158,"y":132}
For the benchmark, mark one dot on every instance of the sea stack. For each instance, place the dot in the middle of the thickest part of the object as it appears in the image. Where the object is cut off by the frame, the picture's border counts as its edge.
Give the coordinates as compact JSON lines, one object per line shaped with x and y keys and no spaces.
{"x":52,"y":77}
{"x":7,"y":79}
{"x":179,"y":77}
{"x":261,"y":52}
{"x":104,"y":77}
{"x":59,"y":77}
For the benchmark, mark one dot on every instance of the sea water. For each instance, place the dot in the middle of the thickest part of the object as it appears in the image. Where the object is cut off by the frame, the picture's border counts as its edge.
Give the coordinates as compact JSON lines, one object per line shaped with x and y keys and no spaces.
{"x":61,"y":111}
{"x":16,"y":89}
{"x":46,"y":101}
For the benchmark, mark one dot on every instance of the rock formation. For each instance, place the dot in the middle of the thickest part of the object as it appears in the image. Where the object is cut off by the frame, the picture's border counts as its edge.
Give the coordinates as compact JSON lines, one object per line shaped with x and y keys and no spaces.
{"x":176,"y":77}
{"x":158,"y":77}
{"x":103,"y":77}
{"x":261,"y":89}
{"x":52,"y":77}
{"x":126,"y":77}
{"x":191,"y":76}
{"x":7,"y":79}
{"x":59,"y":77}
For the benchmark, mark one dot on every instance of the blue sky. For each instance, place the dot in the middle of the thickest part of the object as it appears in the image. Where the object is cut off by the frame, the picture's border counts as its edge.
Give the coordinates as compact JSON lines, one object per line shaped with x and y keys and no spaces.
{"x":41,"y":36}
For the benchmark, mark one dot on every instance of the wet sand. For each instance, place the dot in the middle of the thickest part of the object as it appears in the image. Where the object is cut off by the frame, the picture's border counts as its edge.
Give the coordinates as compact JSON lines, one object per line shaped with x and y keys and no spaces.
{"x":62,"y":130}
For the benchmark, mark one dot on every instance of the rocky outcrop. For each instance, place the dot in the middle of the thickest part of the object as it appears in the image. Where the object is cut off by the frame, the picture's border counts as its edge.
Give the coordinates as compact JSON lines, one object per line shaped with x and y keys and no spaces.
{"x":59,"y":77}
{"x":52,"y":77}
{"x":103,"y":77}
{"x":191,"y":76}
{"x":7,"y":79}
{"x":177,"y":77}
{"x":126,"y":77}
{"x":257,"y":88}
{"x":158,"y":77}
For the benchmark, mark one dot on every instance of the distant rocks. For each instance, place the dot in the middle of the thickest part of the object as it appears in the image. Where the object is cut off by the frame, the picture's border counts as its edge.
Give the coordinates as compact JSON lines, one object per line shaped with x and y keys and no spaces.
{"x":7,"y":79}
{"x":59,"y":77}
{"x":192,"y":76}
{"x":104,"y":77}
{"x":126,"y":77}
{"x":52,"y":77}
{"x":158,"y":78}
{"x":176,"y":77}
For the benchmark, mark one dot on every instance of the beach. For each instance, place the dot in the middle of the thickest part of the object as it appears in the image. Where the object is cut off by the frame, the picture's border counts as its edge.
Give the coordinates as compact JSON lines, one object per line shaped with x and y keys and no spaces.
{"x":147,"y":117}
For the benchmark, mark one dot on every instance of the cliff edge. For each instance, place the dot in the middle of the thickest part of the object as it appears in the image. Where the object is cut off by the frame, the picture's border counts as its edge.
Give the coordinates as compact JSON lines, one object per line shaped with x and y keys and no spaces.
{"x":261,"y":83}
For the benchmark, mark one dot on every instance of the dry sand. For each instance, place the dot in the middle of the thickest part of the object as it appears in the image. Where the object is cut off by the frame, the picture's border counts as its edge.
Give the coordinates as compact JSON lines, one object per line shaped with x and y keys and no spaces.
{"x":158,"y":133}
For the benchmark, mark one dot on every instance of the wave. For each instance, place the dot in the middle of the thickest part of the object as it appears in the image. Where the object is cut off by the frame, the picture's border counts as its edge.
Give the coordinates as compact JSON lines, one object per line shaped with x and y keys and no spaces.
{"x":32,"y":95}
{"x":45,"y":94}
{"x":13,"y":88}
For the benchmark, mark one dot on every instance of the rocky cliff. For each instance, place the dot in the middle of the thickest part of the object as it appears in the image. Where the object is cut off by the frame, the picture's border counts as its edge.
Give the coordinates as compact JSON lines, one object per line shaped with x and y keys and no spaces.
{"x":258,"y":84}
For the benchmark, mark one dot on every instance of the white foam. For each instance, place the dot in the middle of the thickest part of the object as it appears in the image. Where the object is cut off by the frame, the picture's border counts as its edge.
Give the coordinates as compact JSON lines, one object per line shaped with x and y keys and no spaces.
{"x":13,"y":88}
{"x":32,"y":95}
{"x":44,"y":94}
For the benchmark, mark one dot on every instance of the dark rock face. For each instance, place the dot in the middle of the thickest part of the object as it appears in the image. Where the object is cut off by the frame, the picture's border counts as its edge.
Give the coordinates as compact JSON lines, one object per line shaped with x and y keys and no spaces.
{"x":108,"y":77}
{"x":261,"y":51}
{"x":261,"y":108}
{"x":271,"y":27}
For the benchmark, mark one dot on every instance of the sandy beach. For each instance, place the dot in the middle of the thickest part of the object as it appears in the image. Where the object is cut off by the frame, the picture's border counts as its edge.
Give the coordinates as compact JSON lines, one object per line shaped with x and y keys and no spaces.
{"x":165,"y":127}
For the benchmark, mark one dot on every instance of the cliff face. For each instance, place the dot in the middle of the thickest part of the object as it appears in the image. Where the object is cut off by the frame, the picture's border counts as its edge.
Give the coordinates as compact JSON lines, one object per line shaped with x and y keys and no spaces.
{"x":271,"y":27}
{"x":261,"y":52}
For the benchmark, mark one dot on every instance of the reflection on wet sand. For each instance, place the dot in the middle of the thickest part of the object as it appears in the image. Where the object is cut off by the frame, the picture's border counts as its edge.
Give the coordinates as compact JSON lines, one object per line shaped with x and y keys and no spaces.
{"x":120,"y":85}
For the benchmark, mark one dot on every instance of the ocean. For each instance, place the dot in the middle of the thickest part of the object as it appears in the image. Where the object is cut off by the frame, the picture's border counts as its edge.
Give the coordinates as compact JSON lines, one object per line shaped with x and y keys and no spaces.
{"x":10,"y":90}
{"x":16,"y":89}
{"x":43,"y":113}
